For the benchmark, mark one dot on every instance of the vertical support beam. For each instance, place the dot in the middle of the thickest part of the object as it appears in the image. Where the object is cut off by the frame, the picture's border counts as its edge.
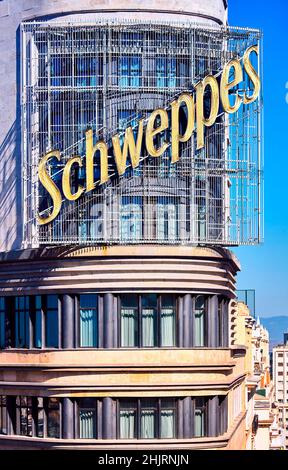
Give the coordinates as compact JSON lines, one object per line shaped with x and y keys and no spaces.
{"x":100,"y":321}
{"x":67,"y":418}
{"x":225,"y":323}
{"x":213,"y":416}
{"x":108,"y":419}
{"x":180,"y":423}
{"x":213,"y":326}
{"x":68,"y":321}
{"x":187,"y":418}
{"x":108,"y":321}
{"x":187,"y":315}
{"x":180,"y":321}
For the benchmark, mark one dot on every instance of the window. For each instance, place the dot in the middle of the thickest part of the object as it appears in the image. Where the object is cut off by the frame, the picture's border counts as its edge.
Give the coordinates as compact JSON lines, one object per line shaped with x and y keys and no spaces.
{"x":165,"y":72}
{"x":168,"y":320}
{"x":129,"y":320}
{"x":2,"y":323}
{"x":167,"y":219}
{"x":40,"y":416}
{"x":22,"y":322}
{"x":88,"y":71}
{"x":148,"y":320}
{"x":87,"y":418}
{"x":61,"y":70}
{"x":131,"y":218}
{"x":130,"y":71}
{"x":199,"y":321}
{"x":52,"y":327}
{"x":38,"y":322}
{"x":53,"y":417}
{"x":147,"y":418}
{"x":128,"y":420}
{"x":3,"y":415}
{"x":200,"y":417}
{"x":24,"y":416}
{"x":88,"y":321}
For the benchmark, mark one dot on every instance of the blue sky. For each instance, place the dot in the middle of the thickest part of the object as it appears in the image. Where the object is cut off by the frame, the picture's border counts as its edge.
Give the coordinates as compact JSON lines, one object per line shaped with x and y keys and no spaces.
{"x":265,"y":267}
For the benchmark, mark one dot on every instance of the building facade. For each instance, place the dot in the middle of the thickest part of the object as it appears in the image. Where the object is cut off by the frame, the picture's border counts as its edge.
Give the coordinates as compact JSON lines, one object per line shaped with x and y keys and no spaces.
{"x":115,"y":316}
{"x":280,"y":361}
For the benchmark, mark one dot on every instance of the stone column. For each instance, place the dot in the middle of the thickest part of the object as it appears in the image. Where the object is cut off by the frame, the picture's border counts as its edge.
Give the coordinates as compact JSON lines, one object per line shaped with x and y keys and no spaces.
{"x":187,"y":418}
{"x":108,"y":419}
{"x":213,"y":327}
{"x":213,"y":416}
{"x":68,"y":321}
{"x":67,"y":418}
{"x":108,"y":321}
{"x":187,"y":324}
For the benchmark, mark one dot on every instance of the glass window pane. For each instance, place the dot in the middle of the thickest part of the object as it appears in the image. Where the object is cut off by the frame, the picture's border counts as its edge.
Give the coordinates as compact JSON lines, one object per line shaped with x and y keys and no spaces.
{"x":88,"y":321}
{"x":22,"y":322}
{"x":149,"y":319}
{"x":128,"y":420}
{"x":168,"y":321}
{"x":199,"y":419}
{"x":129,"y":320}
{"x":148,"y":419}
{"x":199,"y":321}
{"x":53,"y":418}
{"x":129,"y":327}
{"x":52,"y":329}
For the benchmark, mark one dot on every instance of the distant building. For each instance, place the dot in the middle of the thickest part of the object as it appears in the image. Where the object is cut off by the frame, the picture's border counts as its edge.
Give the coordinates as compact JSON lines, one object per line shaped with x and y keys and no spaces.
{"x":280,"y":374}
{"x":262,"y":426}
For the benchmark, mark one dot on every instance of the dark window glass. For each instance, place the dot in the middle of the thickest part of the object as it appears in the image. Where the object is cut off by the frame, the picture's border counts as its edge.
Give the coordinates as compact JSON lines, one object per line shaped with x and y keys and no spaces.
{"x":38,"y":322}
{"x":2,"y":322}
{"x":40,"y":417}
{"x":87,"y":418}
{"x":3,"y":414}
{"x":199,"y":321}
{"x":88,"y":321}
{"x":200,"y":417}
{"x":22,"y":322}
{"x":130,"y":71}
{"x":53,"y":417}
{"x":24,"y":415}
{"x":52,"y":327}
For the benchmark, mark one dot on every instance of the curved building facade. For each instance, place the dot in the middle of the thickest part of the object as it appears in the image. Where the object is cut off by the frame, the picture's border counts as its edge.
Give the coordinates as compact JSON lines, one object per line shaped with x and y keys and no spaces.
{"x":115,"y":314}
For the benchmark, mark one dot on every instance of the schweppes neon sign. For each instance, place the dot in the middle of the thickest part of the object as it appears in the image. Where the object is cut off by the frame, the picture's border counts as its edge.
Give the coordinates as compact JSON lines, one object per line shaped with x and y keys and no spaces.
{"x":157,"y":123}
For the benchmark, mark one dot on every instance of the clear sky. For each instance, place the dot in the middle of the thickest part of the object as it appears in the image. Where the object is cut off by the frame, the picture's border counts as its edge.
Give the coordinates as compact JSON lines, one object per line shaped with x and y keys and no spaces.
{"x":265,"y":267}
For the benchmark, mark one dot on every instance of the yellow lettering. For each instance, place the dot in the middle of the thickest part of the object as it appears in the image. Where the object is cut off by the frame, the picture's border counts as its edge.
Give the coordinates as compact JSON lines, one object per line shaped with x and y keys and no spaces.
{"x":176,"y":137}
{"x":50,"y":186}
{"x":151,"y":132}
{"x":252,"y":74}
{"x":129,"y":144}
{"x":225,"y":85}
{"x":66,"y":186}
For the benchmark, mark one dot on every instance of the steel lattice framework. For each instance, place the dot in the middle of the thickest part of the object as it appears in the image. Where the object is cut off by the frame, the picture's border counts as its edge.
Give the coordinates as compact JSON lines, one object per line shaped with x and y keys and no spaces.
{"x":105,"y":75}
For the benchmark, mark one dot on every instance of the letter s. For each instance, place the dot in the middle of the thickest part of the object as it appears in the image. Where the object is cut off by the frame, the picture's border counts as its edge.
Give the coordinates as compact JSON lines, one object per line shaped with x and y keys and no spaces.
{"x":50,"y":186}
{"x":252,"y":74}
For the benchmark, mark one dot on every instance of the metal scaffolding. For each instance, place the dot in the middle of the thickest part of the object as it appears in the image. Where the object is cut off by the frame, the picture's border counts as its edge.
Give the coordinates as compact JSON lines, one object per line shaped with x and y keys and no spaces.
{"x":105,"y":76}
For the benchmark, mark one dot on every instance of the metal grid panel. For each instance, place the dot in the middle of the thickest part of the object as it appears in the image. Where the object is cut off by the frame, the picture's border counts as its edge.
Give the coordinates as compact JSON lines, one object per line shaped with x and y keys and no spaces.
{"x":105,"y":76}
